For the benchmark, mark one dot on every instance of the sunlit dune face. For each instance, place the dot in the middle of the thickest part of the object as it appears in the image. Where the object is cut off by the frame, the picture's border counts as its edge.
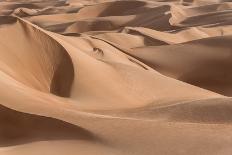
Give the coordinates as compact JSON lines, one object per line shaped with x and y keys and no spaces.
{"x":115,"y":77}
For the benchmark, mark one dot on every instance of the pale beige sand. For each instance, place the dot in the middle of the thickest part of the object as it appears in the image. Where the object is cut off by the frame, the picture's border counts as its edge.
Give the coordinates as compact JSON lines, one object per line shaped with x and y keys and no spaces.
{"x":110,"y":77}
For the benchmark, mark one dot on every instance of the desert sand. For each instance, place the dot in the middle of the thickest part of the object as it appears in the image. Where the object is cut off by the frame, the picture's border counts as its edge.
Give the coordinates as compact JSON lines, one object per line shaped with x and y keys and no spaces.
{"x":115,"y":77}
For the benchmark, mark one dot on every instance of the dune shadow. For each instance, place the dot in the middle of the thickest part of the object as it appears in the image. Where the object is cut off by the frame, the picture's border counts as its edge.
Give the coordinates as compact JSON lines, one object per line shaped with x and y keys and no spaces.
{"x":20,"y":128}
{"x":7,"y":20}
{"x":59,"y":63}
{"x":63,"y":77}
{"x":121,"y":8}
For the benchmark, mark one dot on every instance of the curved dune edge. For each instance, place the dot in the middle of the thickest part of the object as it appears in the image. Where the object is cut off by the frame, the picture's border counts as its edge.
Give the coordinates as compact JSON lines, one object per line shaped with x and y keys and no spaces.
{"x":42,"y":63}
{"x":115,"y":77}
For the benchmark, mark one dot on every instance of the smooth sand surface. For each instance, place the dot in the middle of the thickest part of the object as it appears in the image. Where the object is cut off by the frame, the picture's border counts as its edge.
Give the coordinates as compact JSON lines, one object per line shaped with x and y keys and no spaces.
{"x":115,"y":77}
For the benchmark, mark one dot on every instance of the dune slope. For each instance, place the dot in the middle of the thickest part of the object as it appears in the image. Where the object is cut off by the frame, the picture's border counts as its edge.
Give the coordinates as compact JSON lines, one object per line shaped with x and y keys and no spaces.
{"x":114,"y":77}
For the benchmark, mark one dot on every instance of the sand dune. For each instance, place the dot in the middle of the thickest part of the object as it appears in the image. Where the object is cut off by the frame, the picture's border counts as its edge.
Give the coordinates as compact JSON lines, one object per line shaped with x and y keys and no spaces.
{"x":39,"y":61}
{"x":114,"y":77}
{"x":208,"y":57}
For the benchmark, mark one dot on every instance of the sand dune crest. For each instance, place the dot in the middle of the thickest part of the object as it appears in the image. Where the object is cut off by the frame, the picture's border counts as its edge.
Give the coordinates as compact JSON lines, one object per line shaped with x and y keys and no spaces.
{"x":115,"y":77}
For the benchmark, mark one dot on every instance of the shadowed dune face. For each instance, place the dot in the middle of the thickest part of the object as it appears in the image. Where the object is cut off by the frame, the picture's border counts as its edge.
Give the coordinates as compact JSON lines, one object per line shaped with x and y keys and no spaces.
{"x":39,"y":62}
{"x":115,"y":77}
{"x":213,"y":72}
{"x":19,"y":128}
{"x":7,"y":20}
{"x":116,"y":8}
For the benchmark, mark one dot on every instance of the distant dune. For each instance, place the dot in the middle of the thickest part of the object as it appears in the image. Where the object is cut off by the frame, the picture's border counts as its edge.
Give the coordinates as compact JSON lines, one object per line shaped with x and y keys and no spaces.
{"x":115,"y":77}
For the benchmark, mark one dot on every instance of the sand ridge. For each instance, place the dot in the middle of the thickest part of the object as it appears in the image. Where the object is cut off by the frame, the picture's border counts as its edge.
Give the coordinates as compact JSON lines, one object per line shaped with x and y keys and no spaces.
{"x":115,"y":77}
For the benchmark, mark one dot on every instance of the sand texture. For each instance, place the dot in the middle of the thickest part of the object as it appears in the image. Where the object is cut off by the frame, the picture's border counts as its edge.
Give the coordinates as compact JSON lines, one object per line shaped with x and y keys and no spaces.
{"x":115,"y":77}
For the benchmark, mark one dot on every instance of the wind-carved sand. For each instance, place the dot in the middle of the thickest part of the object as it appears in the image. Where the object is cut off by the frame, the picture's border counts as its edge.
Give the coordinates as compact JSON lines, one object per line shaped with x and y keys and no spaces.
{"x":113,"y":77}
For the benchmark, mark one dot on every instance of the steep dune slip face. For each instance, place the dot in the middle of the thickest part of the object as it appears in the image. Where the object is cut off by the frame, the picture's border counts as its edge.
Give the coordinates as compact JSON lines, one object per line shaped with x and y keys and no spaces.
{"x":115,"y":77}
{"x":34,"y":59}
